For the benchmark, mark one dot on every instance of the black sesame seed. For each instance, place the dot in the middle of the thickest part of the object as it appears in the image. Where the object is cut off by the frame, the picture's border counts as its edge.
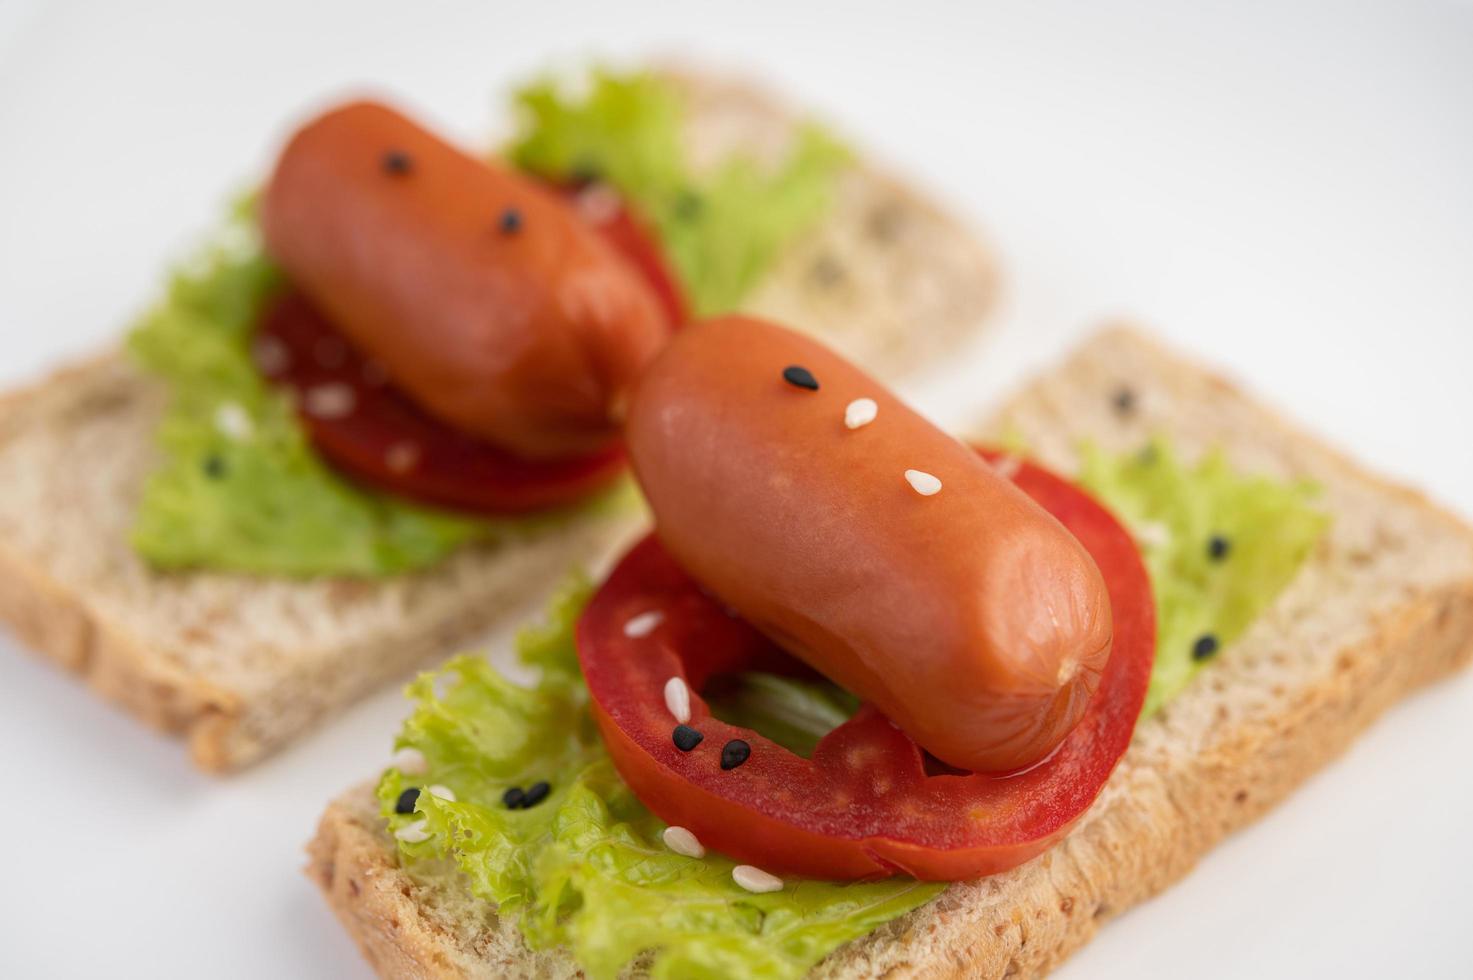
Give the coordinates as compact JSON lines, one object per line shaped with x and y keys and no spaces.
{"x":214,"y":467}
{"x":689,"y":205}
{"x":406,"y":801}
{"x":513,"y":798}
{"x":886,"y":221}
{"x":585,"y":172}
{"x":511,"y":221}
{"x":734,"y":753}
{"x":1205,"y":647}
{"x":397,"y":163}
{"x":686,"y":737}
{"x":1123,"y":400}
{"x":800,"y":377}
{"x":1218,"y":547}
{"x":535,"y":794}
{"x":826,"y":271}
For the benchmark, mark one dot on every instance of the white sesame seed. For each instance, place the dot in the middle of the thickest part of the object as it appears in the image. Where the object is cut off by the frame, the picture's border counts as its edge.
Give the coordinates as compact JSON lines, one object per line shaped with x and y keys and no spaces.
{"x":1153,"y":534}
{"x":410,"y":761}
{"x":860,"y":412}
{"x":330,"y":401}
{"x":1007,"y":466}
{"x":755,"y":879}
{"x":923,"y":483}
{"x":233,"y":421}
{"x":682,"y":841}
{"x":413,"y":833}
{"x":598,"y":203}
{"x":644,"y":624}
{"x":402,"y":457}
{"x":677,"y":699}
{"x":443,"y":792}
{"x":270,"y":355}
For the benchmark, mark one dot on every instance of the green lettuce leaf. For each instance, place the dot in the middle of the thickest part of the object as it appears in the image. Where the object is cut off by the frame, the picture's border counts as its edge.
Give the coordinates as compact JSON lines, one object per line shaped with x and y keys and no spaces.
{"x":794,"y":713}
{"x":1264,"y":530}
{"x":721,"y":229}
{"x":240,"y":487}
{"x":586,"y":868}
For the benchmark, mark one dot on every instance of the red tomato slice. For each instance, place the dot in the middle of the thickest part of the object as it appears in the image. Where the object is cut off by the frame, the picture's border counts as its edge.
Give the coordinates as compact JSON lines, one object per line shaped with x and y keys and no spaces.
{"x":376,"y":433}
{"x":373,"y":431}
{"x":864,"y":805}
{"x":601,"y":206}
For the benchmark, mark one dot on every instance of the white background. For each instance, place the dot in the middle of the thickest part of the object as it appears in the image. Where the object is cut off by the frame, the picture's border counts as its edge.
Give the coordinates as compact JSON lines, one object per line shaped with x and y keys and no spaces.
{"x":1287,"y":191}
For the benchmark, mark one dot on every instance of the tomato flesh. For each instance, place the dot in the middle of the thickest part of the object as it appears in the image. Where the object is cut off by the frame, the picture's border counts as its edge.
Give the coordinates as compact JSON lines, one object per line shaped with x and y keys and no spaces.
{"x":601,"y":207}
{"x":864,"y":805}
{"x":373,"y":431}
{"x":377,"y":434}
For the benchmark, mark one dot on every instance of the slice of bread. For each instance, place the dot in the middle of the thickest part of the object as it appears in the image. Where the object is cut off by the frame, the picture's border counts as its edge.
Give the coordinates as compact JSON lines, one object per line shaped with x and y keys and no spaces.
{"x":239,"y":665}
{"x":890,"y":280}
{"x":1383,"y":606}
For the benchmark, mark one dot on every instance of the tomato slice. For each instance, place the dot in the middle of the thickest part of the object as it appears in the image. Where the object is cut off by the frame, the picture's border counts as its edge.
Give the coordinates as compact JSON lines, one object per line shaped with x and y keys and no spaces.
{"x":866,"y":804}
{"x":603,"y":208}
{"x":373,"y":431}
{"x":376,"y":433}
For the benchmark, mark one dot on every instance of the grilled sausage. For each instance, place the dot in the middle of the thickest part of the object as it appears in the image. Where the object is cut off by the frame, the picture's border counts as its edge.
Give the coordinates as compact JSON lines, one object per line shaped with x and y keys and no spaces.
{"x":968,"y":614}
{"x":480,"y":293}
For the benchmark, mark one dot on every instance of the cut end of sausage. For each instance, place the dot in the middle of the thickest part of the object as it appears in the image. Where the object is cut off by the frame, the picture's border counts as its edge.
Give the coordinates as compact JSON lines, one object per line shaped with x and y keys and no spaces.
{"x":972,"y":618}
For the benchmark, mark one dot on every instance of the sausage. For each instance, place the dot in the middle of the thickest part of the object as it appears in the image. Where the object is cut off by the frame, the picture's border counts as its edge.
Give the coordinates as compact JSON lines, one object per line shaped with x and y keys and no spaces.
{"x":480,"y":292}
{"x":970,"y":617}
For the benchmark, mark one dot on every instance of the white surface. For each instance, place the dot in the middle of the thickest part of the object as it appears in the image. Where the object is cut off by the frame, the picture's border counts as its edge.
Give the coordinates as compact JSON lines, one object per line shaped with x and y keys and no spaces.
{"x":1286,"y":191}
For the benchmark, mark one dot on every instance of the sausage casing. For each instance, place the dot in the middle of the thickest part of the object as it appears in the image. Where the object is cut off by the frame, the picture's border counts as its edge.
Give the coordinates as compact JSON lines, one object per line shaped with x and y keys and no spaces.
{"x":971,"y":617}
{"x":481,"y":293}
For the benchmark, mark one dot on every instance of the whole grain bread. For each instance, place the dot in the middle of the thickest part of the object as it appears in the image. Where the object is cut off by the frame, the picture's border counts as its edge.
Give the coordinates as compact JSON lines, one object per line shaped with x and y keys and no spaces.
{"x":236,"y":664}
{"x":240,"y":666}
{"x":1383,"y":606}
{"x":890,"y":280}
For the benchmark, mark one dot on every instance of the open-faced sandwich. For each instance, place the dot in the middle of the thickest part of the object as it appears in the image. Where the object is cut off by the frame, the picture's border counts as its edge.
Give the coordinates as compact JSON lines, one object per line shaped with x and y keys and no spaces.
{"x":875,"y":702}
{"x":385,"y":403}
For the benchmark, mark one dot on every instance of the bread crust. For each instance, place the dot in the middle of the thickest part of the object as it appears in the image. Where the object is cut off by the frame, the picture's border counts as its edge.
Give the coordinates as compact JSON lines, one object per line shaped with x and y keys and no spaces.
{"x":375,"y":900}
{"x":81,"y":598}
{"x":1384,"y":606}
{"x":235,"y":665}
{"x":46,"y":616}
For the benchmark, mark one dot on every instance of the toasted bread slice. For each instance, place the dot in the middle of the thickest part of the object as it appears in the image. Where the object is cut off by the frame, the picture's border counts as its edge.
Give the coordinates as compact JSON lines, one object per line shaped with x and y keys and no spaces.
{"x":240,"y":665}
{"x":890,"y":280}
{"x":1384,"y":606}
